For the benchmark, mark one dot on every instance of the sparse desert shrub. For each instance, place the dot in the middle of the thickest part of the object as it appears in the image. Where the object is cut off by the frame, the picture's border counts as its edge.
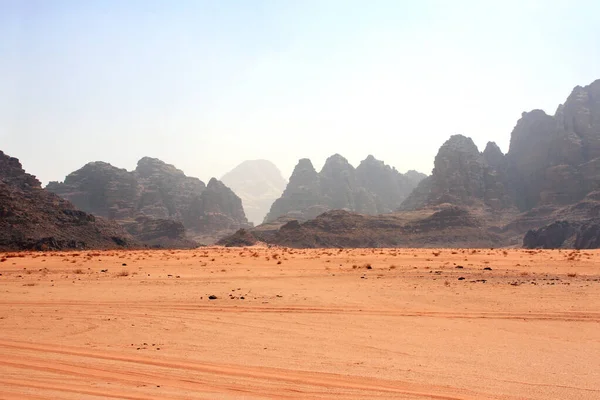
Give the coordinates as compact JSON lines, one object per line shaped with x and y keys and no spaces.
{"x":123,"y":273}
{"x":572,"y":275}
{"x":78,"y":271}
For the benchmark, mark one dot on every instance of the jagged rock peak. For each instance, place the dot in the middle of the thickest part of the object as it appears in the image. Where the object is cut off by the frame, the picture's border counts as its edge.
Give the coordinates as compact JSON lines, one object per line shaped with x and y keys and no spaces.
{"x":493,"y":155}
{"x":12,"y":171}
{"x":147,"y":166}
{"x":336,"y":159}
{"x":214,"y":183}
{"x":371,"y":188}
{"x":459,"y":143}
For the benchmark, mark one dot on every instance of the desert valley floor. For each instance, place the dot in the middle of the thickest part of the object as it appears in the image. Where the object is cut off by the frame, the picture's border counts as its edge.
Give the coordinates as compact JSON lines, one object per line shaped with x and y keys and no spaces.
{"x":300,"y":324}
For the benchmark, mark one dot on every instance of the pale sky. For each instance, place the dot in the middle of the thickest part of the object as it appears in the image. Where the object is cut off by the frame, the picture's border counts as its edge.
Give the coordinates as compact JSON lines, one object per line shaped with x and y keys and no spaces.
{"x":205,"y":85}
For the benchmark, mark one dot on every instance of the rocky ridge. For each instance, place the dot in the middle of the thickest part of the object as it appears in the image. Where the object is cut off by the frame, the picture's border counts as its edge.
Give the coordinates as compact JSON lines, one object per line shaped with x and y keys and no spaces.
{"x":447,"y":226}
{"x":154,"y":190}
{"x":371,"y":188}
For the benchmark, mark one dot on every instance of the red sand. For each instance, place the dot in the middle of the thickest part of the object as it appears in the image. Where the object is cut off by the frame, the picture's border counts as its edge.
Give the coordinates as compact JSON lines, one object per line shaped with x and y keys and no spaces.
{"x":319,"y":325}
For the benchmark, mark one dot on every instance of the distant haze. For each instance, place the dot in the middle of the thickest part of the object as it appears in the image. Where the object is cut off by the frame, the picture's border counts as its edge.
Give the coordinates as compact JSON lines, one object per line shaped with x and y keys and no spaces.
{"x":258,"y":183}
{"x":205,"y":85}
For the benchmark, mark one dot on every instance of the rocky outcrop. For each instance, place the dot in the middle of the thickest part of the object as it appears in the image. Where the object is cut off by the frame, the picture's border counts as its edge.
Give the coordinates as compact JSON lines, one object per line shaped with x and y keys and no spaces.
{"x":464,"y":176}
{"x":33,"y":218}
{"x":445,"y":227}
{"x":154,"y":190}
{"x":371,"y":188}
{"x":564,"y":234}
{"x":241,"y":238}
{"x":552,"y":236}
{"x":258,"y":183}
{"x":159,"y":233}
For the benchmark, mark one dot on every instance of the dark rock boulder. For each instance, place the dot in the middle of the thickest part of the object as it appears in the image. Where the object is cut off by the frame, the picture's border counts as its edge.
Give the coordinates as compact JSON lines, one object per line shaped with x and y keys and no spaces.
{"x":552,"y":236}
{"x":240,"y":238}
{"x":588,"y":237}
{"x":564,"y":234}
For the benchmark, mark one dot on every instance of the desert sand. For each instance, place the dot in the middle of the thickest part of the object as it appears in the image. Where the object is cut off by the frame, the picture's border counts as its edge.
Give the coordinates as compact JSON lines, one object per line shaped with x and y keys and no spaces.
{"x":300,"y":324}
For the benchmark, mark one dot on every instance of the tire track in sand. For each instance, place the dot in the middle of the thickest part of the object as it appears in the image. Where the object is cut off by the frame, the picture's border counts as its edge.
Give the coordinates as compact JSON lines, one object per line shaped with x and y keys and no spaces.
{"x":205,"y":377}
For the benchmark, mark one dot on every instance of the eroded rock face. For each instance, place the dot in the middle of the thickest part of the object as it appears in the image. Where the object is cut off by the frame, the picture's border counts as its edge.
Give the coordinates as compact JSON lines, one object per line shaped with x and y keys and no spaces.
{"x":154,"y":190}
{"x":554,"y":159}
{"x":371,"y":188}
{"x":464,"y":176}
{"x":387,"y":186}
{"x":564,"y":234}
{"x":34,"y":218}
{"x":258,"y":183}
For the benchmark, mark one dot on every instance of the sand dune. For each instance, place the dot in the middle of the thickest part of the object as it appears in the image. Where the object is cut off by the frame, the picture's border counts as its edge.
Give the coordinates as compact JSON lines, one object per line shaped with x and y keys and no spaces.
{"x":300,"y":324}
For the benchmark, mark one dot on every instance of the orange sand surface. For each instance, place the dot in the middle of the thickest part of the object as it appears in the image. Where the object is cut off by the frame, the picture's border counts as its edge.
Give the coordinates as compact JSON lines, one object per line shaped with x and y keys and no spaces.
{"x":300,"y":324}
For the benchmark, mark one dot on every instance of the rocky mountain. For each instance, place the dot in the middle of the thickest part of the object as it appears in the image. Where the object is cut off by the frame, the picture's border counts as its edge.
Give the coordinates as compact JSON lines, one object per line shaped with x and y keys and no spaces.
{"x":258,"y":183}
{"x":464,"y":176}
{"x":556,"y":159}
{"x":371,"y":188}
{"x":552,"y":161}
{"x":546,"y":182}
{"x":34,"y":218}
{"x":154,"y":190}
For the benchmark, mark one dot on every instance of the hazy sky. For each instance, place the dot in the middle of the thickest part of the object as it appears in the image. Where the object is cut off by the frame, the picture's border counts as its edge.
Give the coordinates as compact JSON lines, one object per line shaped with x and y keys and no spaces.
{"x":207,"y":84}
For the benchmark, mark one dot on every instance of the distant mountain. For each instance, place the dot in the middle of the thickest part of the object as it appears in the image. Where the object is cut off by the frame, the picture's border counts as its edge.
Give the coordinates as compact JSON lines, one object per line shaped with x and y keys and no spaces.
{"x":371,"y":188}
{"x":545,"y":192}
{"x":552,"y":161}
{"x":154,"y":190}
{"x":34,"y":218}
{"x":258,"y":183}
{"x":464,"y":176}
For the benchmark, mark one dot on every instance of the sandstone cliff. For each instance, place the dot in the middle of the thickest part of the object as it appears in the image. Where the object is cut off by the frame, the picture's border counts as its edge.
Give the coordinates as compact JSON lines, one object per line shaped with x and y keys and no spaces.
{"x":464,"y":176}
{"x":33,"y":218}
{"x":154,"y":190}
{"x":371,"y":188}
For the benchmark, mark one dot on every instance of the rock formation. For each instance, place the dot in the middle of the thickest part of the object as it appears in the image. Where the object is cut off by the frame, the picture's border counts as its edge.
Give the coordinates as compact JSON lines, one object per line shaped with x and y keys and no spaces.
{"x":556,"y":159}
{"x":154,"y":190}
{"x":552,"y":161}
{"x":258,"y":183}
{"x":371,"y":188}
{"x":159,"y":233}
{"x":564,"y":234}
{"x":33,"y":218}
{"x":464,"y":176}
{"x":448,"y":226}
